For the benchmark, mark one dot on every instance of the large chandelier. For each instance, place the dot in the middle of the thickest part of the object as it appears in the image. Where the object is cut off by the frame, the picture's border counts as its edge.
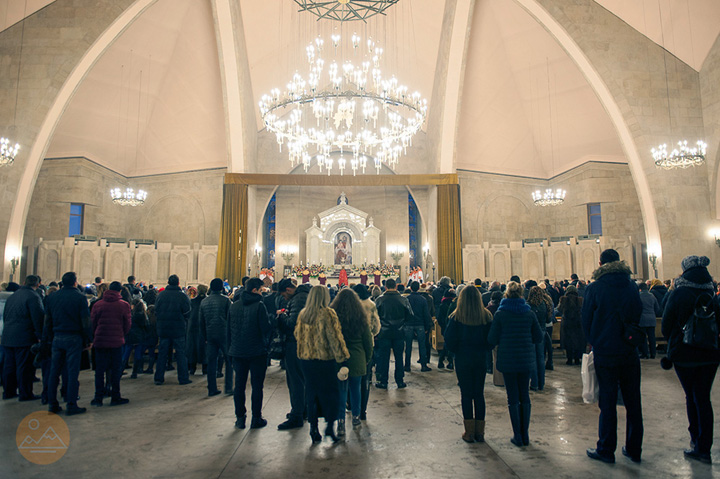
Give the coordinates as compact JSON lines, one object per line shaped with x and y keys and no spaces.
{"x":128,"y":197}
{"x":344,"y":107}
{"x":681,"y":157}
{"x":7,"y":152}
{"x":549,"y":198}
{"x":345,"y":10}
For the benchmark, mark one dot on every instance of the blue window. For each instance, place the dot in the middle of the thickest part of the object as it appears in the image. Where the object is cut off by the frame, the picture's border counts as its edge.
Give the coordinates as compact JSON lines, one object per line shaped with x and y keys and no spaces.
{"x":77,"y":216}
{"x":414,"y":233}
{"x":594,"y":219}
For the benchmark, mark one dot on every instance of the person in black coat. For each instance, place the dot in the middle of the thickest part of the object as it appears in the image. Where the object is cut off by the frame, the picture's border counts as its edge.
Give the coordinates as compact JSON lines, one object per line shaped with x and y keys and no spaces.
{"x":136,"y":336}
{"x":395,"y":312}
{"x":442,"y":318}
{"x":538,"y":305}
{"x":23,"y":318}
{"x":195,"y":344}
{"x":213,"y":334}
{"x":466,"y":335}
{"x":172,"y":309}
{"x":611,"y":301}
{"x":515,"y":331}
{"x":151,"y":339}
{"x":695,"y":367}
{"x":417,"y":327}
{"x":572,"y":338}
{"x":248,"y":333}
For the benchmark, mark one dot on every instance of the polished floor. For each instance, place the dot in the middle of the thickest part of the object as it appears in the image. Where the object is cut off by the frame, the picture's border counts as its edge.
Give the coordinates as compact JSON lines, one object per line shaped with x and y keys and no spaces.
{"x":174,"y":431}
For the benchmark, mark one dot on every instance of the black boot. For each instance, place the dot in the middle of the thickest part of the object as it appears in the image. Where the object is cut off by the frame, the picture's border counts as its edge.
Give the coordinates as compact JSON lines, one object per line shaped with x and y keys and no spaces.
{"x":525,"y":423}
{"x":330,"y":431}
{"x":315,"y":433}
{"x":151,"y":365}
{"x":137,"y":368}
{"x":516,"y":424}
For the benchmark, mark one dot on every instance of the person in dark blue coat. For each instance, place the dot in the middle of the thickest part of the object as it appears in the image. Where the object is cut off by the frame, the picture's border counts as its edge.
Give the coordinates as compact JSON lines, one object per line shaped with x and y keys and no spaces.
{"x":515,"y":331}
{"x":466,"y":335}
{"x":611,"y":301}
{"x":23,"y":317}
{"x":695,"y":367}
{"x":172,"y":309}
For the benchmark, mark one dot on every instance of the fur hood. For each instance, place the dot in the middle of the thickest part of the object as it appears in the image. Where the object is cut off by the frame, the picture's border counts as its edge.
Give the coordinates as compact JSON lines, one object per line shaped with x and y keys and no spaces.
{"x":697,"y":277}
{"x":612,"y":267}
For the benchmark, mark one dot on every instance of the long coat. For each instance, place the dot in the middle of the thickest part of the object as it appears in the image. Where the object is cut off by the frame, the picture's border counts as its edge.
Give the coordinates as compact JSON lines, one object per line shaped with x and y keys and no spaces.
{"x":572,"y":337}
{"x":195,"y":344}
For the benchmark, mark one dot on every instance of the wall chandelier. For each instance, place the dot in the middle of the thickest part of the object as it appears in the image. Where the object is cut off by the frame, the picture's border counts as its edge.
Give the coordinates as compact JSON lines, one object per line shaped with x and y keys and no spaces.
{"x":7,"y":152}
{"x":344,"y":107}
{"x":549,"y":198}
{"x":345,"y":10}
{"x":128,"y":197}
{"x":681,"y":157}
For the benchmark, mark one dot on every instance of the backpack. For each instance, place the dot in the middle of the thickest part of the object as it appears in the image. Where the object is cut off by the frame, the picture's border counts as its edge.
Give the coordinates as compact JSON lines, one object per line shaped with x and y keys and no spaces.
{"x":700,"y":330}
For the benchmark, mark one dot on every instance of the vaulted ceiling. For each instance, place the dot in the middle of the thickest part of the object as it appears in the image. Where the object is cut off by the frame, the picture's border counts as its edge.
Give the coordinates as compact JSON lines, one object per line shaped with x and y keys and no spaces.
{"x":154,"y":102}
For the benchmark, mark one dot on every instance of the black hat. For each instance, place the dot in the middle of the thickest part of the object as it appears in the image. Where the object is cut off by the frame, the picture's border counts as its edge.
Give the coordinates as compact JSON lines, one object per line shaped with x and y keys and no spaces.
{"x":284,"y":284}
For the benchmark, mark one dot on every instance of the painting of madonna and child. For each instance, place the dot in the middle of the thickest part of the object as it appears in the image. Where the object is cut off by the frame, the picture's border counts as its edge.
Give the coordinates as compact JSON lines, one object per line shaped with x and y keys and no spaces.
{"x":343,"y":248}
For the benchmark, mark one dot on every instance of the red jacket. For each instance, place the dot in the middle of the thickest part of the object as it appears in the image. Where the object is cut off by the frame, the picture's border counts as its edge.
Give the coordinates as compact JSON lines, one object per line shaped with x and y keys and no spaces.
{"x":110,"y":320}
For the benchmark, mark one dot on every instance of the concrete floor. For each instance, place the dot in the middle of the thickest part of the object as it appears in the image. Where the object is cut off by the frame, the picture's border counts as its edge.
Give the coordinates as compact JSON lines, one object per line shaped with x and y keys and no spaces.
{"x":177,"y":432}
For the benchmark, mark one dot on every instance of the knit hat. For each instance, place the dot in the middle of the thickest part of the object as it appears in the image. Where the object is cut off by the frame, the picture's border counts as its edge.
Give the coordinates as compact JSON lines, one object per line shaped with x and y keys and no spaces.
{"x":693,"y":261}
{"x":216,"y":284}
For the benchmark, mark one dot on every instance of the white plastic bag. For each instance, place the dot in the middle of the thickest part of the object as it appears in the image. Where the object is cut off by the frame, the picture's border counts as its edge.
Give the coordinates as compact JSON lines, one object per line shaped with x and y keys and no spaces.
{"x":589,"y":379}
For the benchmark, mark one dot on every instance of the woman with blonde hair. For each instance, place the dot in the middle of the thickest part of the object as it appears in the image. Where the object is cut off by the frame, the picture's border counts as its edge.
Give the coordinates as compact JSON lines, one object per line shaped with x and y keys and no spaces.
{"x":515,"y":331}
{"x":321,"y":348}
{"x":466,"y":335}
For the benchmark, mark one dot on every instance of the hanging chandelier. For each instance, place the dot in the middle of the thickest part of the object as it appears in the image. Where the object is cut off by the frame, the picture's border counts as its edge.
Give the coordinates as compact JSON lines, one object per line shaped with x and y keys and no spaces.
{"x":345,"y":10}
{"x":7,"y":153}
{"x":346,"y":108}
{"x":549,"y":198}
{"x":681,"y":157}
{"x":128,"y":197}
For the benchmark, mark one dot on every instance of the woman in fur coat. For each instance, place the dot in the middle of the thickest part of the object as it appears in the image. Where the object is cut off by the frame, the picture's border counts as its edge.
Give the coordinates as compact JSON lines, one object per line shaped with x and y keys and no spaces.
{"x":321,"y":348}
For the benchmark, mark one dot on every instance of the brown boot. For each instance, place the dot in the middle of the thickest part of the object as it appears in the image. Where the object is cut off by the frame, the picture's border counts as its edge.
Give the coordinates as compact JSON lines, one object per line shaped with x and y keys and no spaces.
{"x":469,"y":435}
{"x":479,"y":431}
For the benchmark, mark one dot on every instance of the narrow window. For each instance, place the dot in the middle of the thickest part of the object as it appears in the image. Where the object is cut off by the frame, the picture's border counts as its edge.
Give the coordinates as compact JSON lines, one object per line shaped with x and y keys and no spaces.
{"x":77,"y":216}
{"x":594,"y":219}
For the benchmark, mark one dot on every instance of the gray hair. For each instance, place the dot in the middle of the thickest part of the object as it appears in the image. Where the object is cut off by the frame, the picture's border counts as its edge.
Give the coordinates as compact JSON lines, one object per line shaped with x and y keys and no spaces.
{"x":444,"y":281}
{"x":459,"y":288}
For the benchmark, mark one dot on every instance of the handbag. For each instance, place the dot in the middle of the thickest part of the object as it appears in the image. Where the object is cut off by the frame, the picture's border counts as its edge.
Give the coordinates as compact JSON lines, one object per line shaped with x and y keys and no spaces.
{"x":277,"y":347}
{"x":700,"y":330}
{"x":591,"y":388}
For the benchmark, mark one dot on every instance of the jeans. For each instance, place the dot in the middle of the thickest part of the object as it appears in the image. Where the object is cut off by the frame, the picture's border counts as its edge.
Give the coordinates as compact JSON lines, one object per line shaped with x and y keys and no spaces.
{"x":697,"y":383}
{"x":517,"y":388}
{"x":164,"y":351}
{"x":352,"y":384}
{"x":66,"y":351}
{"x":471,"y":372}
{"x":383,"y":359}
{"x":321,"y":389}
{"x":410,"y":333}
{"x":295,"y":378}
{"x":18,"y":372}
{"x":650,"y":331}
{"x":537,"y":376}
{"x":212,"y":361}
{"x":256,"y":367}
{"x":365,"y":389}
{"x":108,"y":359}
{"x":627,"y":376}
{"x":549,"y":345}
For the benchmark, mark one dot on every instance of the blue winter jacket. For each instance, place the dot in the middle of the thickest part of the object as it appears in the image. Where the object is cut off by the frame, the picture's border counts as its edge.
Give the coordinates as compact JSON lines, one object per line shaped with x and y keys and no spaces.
{"x":515,"y":331}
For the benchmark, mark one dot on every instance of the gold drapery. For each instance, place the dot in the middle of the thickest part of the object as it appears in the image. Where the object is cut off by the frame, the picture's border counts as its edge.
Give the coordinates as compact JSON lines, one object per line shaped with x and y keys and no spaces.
{"x":232,"y":249}
{"x":449,"y":232}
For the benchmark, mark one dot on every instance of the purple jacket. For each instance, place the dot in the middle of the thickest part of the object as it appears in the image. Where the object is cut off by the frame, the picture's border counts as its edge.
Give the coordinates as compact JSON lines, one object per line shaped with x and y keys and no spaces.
{"x":110,"y":321}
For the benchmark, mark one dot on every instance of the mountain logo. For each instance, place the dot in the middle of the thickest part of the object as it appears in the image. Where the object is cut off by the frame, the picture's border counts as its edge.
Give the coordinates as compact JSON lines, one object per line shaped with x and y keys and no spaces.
{"x":42,"y":437}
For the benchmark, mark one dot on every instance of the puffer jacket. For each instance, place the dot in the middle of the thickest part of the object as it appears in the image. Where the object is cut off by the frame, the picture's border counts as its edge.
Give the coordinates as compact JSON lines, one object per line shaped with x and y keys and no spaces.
{"x":295,"y":304}
{"x":394,"y":311}
{"x":110,"y":321}
{"x":611,"y":300}
{"x":214,"y":317}
{"x":468,"y":339}
{"x":421,"y":314}
{"x":138,"y":329}
{"x":515,"y":331}
{"x":321,"y":338}
{"x":23,"y":317}
{"x":248,"y":327}
{"x":651,"y":310}
{"x":172,"y":309}
{"x":67,"y":313}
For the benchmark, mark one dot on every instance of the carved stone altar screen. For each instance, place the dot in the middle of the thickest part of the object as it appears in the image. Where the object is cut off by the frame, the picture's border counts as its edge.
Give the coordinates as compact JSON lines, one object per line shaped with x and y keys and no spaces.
{"x":346,"y":235}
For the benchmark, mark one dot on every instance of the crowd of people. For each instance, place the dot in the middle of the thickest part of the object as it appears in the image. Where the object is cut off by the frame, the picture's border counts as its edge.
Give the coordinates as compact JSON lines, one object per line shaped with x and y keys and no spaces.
{"x":331,"y":341}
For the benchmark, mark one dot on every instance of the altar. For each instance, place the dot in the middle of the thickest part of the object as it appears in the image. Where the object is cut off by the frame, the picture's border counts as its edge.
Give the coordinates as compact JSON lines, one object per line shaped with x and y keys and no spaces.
{"x":343,"y":235}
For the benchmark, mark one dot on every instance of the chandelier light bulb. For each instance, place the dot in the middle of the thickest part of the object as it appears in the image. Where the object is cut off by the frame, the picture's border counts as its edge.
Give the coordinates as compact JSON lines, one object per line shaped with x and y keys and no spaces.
{"x":347,"y":107}
{"x":128,"y":197}
{"x":7,"y":152}
{"x":549,"y":197}
{"x":683,"y":156}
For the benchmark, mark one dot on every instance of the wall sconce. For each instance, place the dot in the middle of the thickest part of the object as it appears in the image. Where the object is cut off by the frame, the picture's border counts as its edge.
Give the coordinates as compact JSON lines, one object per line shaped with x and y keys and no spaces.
{"x":287,"y":255}
{"x":426,"y":250}
{"x":396,"y":254}
{"x":653,"y":261}
{"x":14,"y":262}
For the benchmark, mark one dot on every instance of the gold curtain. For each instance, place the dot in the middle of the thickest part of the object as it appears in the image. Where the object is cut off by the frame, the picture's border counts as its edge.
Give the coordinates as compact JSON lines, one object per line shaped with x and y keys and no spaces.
{"x":232,"y":249}
{"x":449,"y":232}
